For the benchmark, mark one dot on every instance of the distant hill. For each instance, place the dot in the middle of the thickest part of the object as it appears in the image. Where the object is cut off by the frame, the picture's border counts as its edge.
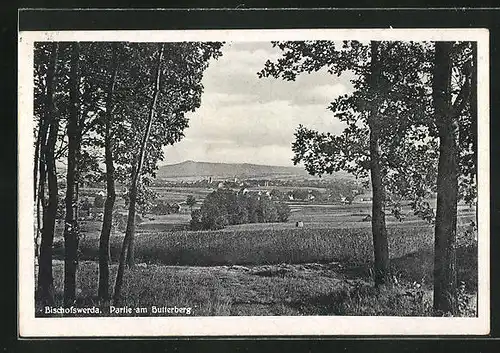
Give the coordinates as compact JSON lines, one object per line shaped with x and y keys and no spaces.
{"x":228,"y":170}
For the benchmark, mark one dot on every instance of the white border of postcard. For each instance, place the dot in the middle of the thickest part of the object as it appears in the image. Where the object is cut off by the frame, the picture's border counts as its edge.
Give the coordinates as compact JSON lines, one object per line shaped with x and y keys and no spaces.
{"x":29,"y":326}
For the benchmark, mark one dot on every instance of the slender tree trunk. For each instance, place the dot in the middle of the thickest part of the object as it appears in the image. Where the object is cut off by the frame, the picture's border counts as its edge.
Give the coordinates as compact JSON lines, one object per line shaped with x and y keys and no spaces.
{"x":47,"y":166}
{"x":39,"y":184}
{"x":71,"y":231}
{"x":128,"y":241}
{"x":473,"y":105}
{"x":104,"y":248}
{"x":130,"y":230}
{"x":379,"y":230}
{"x":445,"y":277}
{"x":473,"y":111}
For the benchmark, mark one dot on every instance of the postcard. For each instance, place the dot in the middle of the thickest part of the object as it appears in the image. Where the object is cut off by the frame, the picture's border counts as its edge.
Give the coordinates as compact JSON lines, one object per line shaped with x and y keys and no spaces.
{"x":318,"y":182}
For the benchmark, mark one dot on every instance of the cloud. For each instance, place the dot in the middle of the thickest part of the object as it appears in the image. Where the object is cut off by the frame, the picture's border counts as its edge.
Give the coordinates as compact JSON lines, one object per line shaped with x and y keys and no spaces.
{"x":326,"y":92}
{"x":244,"y":131}
{"x":206,"y":152}
{"x":216,"y":99}
{"x":246,"y":119}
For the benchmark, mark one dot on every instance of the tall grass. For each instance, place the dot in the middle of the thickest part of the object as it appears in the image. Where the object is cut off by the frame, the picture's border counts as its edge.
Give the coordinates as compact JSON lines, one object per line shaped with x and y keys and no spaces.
{"x":270,"y":246}
{"x":143,"y":288}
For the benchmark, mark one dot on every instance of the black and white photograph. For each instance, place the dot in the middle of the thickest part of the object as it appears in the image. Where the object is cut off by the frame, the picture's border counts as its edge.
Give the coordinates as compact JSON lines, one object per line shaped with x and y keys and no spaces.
{"x":254,"y":182}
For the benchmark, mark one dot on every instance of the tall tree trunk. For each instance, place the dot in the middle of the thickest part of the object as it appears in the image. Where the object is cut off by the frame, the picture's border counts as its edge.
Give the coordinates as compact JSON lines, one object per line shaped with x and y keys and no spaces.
{"x":473,"y":106}
{"x":104,"y":249}
{"x":473,"y":109}
{"x":128,"y":241}
{"x":39,"y":171}
{"x":71,"y":231}
{"x":379,"y":230}
{"x":48,"y":166}
{"x":445,"y":277}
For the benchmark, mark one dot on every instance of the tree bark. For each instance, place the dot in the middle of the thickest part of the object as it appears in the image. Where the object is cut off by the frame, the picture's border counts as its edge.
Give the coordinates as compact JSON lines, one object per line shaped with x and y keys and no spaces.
{"x":39,"y":171}
{"x":47,"y":166}
{"x":71,"y":231}
{"x":128,"y":241}
{"x":473,"y":105}
{"x":104,"y":249}
{"x":445,"y":277}
{"x":379,"y":230}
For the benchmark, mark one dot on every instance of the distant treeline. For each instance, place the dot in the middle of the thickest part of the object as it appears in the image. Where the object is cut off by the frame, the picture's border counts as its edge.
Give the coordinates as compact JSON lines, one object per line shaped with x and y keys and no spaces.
{"x":226,"y":207}
{"x":321,"y":183}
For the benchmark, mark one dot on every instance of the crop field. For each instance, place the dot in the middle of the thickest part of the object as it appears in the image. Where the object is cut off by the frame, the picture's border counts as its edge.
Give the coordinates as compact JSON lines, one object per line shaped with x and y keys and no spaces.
{"x":269,"y":246}
{"x":275,"y":272}
{"x":179,"y":194}
{"x":322,"y":268}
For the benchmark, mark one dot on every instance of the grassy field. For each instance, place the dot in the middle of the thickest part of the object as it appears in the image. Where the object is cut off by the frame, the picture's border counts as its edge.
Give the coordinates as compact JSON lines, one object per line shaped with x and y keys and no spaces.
{"x":329,"y":288}
{"x":283,"y":272}
{"x":323,"y":268}
{"x":260,"y":246}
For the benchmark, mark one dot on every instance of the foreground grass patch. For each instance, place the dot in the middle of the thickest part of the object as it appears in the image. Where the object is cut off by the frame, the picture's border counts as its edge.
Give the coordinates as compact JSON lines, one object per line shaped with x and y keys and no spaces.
{"x":309,"y":289}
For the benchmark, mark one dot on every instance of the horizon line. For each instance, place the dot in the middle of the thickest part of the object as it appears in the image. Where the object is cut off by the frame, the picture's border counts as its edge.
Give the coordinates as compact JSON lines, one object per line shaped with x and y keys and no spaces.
{"x":264,"y":165}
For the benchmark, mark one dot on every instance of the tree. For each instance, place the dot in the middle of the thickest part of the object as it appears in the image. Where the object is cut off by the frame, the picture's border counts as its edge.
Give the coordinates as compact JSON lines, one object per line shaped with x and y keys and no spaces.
{"x":108,"y":117}
{"x":388,"y":99}
{"x":165,"y":82}
{"x":191,"y":201}
{"x":277,"y":194}
{"x":379,"y":230}
{"x":448,"y":114}
{"x":59,"y":74}
{"x":283,"y":211}
{"x":214,"y":210}
{"x":71,"y":218}
{"x":300,"y":194}
{"x":45,"y":161}
{"x":128,"y":241}
{"x":225,"y":207}
{"x":83,"y":108}
{"x":161,"y":208}
{"x":266,"y":211}
{"x":195,"y":223}
{"x":179,"y":92}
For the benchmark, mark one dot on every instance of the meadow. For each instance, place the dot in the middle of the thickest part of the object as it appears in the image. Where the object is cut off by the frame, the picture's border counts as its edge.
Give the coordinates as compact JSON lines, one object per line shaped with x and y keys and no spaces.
{"x":261,"y":246}
{"x":324,"y":268}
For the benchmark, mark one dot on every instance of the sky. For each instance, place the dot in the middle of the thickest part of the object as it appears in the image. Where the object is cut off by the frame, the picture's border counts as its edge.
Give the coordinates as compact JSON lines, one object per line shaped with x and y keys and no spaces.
{"x":244,"y":119}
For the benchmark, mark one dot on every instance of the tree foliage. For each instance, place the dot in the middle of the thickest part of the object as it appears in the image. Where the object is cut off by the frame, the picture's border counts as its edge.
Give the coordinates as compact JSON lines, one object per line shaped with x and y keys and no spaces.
{"x":402,"y":100}
{"x":99,"y":96}
{"x":388,"y":102}
{"x":190,"y":201}
{"x":162,"y":85}
{"x":226,"y":207}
